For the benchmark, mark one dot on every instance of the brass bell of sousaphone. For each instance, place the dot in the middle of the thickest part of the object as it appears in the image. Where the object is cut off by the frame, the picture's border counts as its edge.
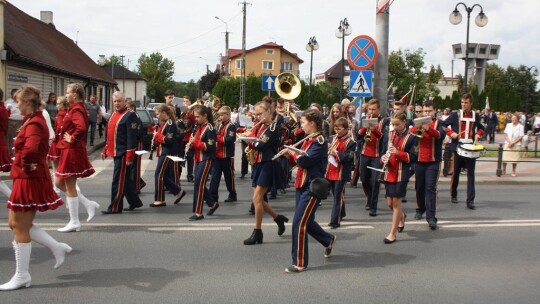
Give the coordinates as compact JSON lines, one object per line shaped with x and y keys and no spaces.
{"x":288,"y":86}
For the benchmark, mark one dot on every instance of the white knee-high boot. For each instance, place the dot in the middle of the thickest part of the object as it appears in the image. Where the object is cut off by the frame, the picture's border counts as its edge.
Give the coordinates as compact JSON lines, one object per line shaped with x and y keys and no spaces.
{"x":22,"y":259}
{"x":5,"y":189}
{"x":58,"y":249}
{"x":90,"y":206}
{"x":74,"y":224}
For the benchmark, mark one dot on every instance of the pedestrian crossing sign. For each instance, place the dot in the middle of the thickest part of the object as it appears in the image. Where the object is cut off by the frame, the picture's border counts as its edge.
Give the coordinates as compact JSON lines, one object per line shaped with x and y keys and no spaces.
{"x":361,"y":83}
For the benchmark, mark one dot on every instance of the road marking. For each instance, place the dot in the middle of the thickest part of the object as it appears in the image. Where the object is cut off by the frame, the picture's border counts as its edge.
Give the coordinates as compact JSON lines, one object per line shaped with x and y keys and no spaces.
{"x":490,"y":225}
{"x":191,"y":229}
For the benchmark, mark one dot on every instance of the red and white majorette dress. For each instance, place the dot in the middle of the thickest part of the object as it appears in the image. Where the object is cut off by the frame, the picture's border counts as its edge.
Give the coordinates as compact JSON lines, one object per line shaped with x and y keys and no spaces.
{"x":32,"y":184}
{"x":5,"y":160}
{"x":54,"y":152}
{"x":73,"y":156}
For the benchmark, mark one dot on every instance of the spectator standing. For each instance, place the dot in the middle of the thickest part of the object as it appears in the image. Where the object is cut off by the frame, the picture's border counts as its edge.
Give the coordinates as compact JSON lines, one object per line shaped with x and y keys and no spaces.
{"x":93,"y":109}
{"x":103,"y":118}
{"x":51,"y":108}
{"x":513,"y":133}
{"x":14,"y":122}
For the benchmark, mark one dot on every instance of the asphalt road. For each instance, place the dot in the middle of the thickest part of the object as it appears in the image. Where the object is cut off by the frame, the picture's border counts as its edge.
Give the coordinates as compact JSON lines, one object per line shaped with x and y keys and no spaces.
{"x":489,"y":255}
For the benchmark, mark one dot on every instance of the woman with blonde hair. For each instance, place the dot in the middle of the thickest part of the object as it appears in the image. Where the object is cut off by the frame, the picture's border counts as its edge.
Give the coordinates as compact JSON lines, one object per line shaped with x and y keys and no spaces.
{"x":513,"y":133}
{"x":32,"y":188}
{"x":335,"y":114}
{"x":74,"y":161}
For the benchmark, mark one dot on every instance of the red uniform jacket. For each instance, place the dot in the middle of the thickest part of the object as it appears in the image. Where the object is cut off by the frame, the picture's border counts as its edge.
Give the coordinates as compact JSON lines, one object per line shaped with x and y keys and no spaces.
{"x":76,"y":125}
{"x":31,"y":147}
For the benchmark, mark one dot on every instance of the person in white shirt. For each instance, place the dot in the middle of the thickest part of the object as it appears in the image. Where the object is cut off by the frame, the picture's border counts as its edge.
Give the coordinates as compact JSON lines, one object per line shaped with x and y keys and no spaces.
{"x":513,"y":133}
{"x":14,"y":122}
{"x":536,"y":124}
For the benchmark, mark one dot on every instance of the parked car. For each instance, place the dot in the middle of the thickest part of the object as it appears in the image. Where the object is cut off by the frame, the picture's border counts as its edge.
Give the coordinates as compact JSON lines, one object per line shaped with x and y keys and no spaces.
{"x":148,"y":125}
{"x":152,"y":105}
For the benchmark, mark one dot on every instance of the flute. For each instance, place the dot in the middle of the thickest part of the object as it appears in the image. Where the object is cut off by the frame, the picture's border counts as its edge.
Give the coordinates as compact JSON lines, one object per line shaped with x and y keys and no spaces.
{"x":280,"y":153}
{"x":152,"y":147}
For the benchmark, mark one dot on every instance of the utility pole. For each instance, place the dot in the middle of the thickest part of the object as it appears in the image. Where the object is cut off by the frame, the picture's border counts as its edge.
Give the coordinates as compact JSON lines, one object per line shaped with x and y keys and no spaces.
{"x":123,"y":75}
{"x":380,"y":70}
{"x":243,"y":68}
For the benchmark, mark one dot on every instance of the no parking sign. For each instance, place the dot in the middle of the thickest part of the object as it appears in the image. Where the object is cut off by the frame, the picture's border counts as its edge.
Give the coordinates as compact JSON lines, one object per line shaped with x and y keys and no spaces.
{"x":362,"y":53}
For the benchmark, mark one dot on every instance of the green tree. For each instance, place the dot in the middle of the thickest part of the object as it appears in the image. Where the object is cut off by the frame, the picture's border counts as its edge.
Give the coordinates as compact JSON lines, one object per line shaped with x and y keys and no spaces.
{"x":209,"y":80}
{"x":405,"y":70}
{"x":114,"y":60}
{"x":158,"y":71}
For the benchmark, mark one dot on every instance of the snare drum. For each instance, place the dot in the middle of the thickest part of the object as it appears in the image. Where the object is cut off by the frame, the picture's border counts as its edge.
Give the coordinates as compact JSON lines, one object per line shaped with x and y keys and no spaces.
{"x":469,"y":150}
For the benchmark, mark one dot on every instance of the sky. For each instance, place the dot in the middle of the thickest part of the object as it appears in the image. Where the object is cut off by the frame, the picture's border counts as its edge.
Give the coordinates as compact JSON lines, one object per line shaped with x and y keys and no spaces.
{"x":188,"y":33}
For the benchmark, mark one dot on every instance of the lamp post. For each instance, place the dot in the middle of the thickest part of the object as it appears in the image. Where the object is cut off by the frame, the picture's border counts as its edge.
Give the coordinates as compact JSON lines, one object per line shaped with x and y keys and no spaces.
{"x":481,"y":21}
{"x":343,"y":30}
{"x":207,"y":69}
{"x":534,"y":73}
{"x":226,"y":46}
{"x":312,"y":45}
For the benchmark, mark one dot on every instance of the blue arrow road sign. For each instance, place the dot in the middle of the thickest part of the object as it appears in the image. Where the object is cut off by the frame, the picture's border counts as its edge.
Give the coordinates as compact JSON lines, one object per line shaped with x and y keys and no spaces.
{"x":268,"y":83}
{"x":360,"y":84}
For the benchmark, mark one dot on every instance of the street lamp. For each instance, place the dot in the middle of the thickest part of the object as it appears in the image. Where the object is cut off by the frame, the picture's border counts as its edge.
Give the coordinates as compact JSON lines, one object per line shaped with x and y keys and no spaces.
{"x":226,"y":46}
{"x":343,"y":30}
{"x":481,"y":21}
{"x":312,"y":45}
{"x":534,"y":73}
{"x":207,"y":69}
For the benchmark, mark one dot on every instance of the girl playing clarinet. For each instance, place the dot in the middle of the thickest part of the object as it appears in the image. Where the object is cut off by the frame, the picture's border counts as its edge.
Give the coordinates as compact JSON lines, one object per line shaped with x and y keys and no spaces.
{"x":402,"y":152}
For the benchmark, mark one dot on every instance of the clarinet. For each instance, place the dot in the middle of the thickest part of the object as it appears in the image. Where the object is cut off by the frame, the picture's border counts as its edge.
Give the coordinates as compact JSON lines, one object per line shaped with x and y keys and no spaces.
{"x":388,"y":154}
{"x":152,"y":149}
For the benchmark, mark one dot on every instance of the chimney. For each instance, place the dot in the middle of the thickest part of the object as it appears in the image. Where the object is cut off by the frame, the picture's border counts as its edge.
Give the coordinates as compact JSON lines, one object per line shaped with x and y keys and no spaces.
{"x":46,"y":17}
{"x":101,"y":60}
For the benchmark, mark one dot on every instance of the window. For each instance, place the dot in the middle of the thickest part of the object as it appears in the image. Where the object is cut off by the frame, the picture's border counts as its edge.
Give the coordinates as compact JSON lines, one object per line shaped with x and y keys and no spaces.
{"x":268,"y":65}
{"x":239,"y":64}
{"x":269,"y":52}
{"x":286,"y":66}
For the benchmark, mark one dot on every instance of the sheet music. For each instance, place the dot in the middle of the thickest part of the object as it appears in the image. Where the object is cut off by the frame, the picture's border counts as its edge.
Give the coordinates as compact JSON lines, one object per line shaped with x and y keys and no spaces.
{"x":175,"y":158}
{"x":369,"y":122}
{"x":248,"y":139}
{"x":245,"y":121}
{"x":177,"y":101}
{"x":141,"y":152}
{"x":332,"y":160}
{"x":422,"y":121}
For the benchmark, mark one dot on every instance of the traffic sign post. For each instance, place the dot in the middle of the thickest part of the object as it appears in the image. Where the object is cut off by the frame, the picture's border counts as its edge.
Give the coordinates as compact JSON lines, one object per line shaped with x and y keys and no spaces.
{"x":268,"y":83}
{"x":362,"y":53}
{"x":361,"y":84}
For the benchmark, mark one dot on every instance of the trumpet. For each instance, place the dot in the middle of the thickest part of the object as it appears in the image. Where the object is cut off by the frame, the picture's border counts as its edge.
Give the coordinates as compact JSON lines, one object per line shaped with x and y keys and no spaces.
{"x":296,"y":145}
{"x":418,"y":133}
{"x":368,"y":137}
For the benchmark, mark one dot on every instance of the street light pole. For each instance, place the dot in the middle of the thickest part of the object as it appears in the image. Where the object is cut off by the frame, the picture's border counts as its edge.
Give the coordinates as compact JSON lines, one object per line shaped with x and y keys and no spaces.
{"x":481,"y":21}
{"x":207,"y":69}
{"x":343,"y":30}
{"x":312,"y":45}
{"x":226,"y":46}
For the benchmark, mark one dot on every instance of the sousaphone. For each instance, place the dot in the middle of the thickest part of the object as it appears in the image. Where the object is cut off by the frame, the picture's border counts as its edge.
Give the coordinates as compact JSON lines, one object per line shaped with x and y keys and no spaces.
{"x":288,"y":86}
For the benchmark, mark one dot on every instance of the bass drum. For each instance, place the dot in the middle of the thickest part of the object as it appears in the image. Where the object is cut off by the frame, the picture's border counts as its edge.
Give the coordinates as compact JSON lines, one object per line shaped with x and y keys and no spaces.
{"x":470,"y":150}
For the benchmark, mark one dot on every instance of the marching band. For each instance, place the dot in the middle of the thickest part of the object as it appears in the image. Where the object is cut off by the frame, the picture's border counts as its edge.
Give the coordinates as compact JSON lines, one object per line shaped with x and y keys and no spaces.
{"x":279,"y":142}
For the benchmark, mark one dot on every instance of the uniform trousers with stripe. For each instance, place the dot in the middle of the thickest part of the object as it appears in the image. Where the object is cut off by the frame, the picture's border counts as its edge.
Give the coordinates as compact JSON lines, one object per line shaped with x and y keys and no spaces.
{"x":163,"y":177}
{"x":427,"y":175}
{"x":338,"y":209}
{"x":223,"y":166}
{"x":369,"y":179}
{"x":245,"y":164}
{"x":136,"y":173}
{"x":123,"y":185}
{"x":200,"y":192}
{"x":356,"y":169}
{"x":303,"y":224}
{"x":470,"y":164}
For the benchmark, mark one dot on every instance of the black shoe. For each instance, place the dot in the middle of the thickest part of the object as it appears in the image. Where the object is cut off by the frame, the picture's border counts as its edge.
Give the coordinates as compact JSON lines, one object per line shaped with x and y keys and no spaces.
{"x":190,"y":179}
{"x":418,"y":215}
{"x":251,"y":211}
{"x":432,"y":225}
{"x":280,"y":221}
{"x":213,"y":209}
{"x":132,"y":208}
{"x":196,"y":218}
{"x":282,"y":191}
{"x":400,"y":229}
{"x":387,"y":241}
{"x":454,"y":200}
{"x":367,"y":206}
{"x":404,"y":200}
{"x":255,"y":238}
{"x":354,"y":186}
{"x":231,"y":199}
{"x":372,"y":212}
{"x":333,"y":225}
{"x":110,"y":212}
{"x":328,"y":250}
{"x":182,"y":194}
{"x":158,"y":205}
{"x":470,"y":205}
{"x":242,"y":176}
{"x":272,"y":197}
{"x":142,"y":184}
